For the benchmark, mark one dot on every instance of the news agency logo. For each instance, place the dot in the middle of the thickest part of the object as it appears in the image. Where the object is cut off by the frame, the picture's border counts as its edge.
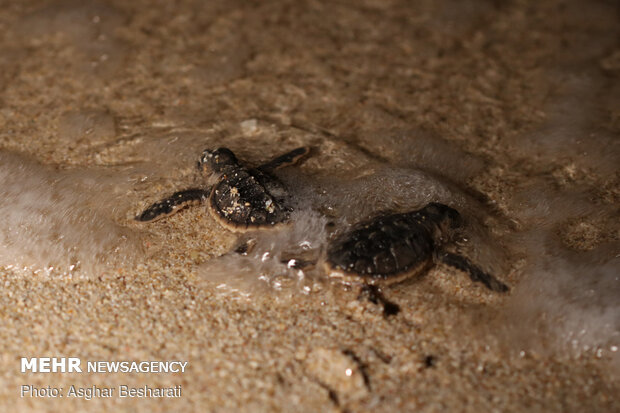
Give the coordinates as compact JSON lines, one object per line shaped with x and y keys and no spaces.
{"x":51,"y":365}
{"x":74,"y":365}
{"x":89,"y":392}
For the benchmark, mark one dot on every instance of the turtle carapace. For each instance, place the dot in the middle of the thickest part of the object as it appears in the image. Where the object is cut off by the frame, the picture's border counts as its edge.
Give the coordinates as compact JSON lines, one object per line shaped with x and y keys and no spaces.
{"x":391,"y":248}
{"x":243,"y":198}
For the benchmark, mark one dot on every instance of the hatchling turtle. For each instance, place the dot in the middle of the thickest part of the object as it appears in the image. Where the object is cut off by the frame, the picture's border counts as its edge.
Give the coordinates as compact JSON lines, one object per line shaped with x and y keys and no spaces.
{"x":391,"y":248}
{"x":243,"y":198}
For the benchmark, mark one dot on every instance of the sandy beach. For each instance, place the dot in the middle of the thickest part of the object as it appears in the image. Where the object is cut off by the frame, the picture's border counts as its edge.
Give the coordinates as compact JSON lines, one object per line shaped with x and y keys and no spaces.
{"x":508,"y":112}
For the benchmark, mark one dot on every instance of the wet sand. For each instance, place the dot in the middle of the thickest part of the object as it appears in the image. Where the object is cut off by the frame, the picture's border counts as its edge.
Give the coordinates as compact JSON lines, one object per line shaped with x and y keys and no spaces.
{"x":474,"y":100}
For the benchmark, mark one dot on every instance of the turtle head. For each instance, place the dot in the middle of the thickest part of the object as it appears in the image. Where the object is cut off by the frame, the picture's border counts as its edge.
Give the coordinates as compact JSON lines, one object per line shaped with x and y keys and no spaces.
{"x":218,"y":160}
{"x":443,"y":216}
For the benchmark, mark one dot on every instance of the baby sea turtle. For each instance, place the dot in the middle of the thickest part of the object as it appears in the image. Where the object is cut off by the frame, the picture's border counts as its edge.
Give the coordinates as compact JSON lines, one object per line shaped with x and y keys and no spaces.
{"x":391,"y":248}
{"x":243,"y":199}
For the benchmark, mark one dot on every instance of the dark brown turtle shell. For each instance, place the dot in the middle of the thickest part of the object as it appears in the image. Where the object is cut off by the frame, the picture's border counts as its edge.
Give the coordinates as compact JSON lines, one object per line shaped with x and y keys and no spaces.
{"x":391,"y":248}
{"x":247,"y":199}
{"x":386,"y":249}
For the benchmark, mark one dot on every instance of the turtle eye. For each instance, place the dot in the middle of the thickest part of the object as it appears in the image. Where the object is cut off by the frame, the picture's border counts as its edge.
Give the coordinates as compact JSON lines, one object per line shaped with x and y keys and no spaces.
{"x":206,"y":161}
{"x":206,"y":156}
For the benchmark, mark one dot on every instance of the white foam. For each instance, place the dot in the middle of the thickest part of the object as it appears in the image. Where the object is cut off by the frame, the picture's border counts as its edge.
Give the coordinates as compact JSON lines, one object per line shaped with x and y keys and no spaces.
{"x":269,"y":264}
{"x":61,"y":222}
{"x":568,"y":302}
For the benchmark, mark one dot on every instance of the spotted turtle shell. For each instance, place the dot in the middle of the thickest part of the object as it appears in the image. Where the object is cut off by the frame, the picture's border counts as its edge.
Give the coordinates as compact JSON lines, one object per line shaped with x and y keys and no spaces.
{"x":248,"y":198}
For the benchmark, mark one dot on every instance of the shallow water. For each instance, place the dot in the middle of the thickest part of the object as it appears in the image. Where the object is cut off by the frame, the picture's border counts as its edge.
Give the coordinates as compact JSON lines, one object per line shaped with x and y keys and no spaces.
{"x":69,"y":221}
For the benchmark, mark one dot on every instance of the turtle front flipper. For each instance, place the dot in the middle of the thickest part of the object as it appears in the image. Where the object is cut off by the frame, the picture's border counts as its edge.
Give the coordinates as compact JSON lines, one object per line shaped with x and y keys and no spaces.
{"x":475,"y":273}
{"x":289,"y":158}
{"x":173,"y":204}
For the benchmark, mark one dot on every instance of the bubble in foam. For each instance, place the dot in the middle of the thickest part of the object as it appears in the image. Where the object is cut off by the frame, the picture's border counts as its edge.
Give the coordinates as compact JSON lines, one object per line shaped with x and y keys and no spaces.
{"x":280,"y":259}
{"x":59,"y":222}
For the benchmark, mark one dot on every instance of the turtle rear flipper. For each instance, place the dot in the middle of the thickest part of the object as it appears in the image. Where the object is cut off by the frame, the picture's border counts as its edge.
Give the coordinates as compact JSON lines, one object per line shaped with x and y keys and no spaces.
{"x":289,"y":158}
{"x":373,"y":294}
{"x":173,"y":204}
{"x":475,"y":273}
